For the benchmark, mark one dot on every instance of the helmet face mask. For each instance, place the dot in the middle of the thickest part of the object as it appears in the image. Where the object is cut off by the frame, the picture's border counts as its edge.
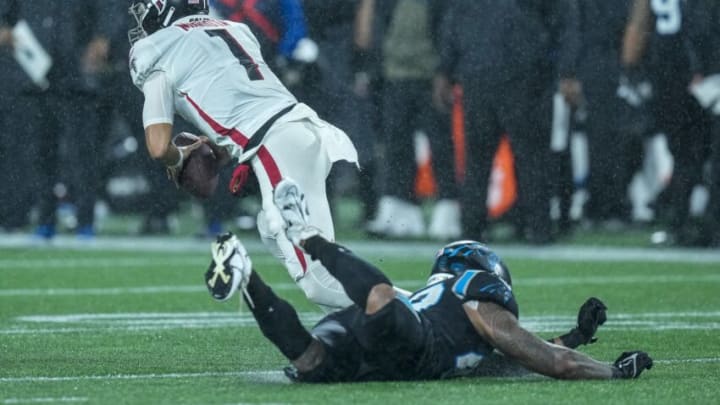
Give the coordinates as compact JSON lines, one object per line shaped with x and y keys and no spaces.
{"x":152,"y":15}
{"x":456,"y":257}
{"x":139,"y":11}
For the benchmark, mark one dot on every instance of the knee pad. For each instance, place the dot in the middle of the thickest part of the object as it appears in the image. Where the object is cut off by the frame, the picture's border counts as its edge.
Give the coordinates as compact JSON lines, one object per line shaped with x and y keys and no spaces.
{"x":279,"y":246}
{"x":315,"y":281}
{"x":269,"y":236}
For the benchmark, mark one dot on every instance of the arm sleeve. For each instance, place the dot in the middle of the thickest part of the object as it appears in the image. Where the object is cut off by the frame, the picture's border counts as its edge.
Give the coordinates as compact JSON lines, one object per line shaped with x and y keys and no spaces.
{"x":158,"y":108}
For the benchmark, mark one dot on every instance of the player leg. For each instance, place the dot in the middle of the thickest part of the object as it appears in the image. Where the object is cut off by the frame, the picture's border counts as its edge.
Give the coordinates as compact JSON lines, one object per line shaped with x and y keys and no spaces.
{"x":230,"y":270}
{"x":388,"y":323}
{"x":364,"y":283}
{"x":482,"y":137}
{"x":296,"y":150}
{"x":329,"y":354}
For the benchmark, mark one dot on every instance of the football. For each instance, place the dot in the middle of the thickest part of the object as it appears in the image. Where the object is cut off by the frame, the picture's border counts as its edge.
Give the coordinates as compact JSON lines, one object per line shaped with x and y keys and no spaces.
{"x":200,"y":173}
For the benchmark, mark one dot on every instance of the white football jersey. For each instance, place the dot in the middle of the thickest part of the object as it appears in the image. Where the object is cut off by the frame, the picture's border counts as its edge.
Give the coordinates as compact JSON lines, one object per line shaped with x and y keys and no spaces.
{"x":213,"y":74}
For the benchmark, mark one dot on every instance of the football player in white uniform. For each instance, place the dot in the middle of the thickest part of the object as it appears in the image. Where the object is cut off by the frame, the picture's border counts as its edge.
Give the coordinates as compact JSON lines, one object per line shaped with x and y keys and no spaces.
{"x":212,"y":73}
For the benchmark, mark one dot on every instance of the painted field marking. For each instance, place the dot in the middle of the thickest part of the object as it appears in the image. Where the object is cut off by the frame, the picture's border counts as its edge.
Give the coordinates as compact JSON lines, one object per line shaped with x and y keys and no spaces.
{"x":44,"y":400}
{"x":35,"y":325}
{"x":411,"y":284}
{"x":109,"y":262}
{"x":111,"y":377}
{"x":264,"y":375}
{"x":397,"y":249}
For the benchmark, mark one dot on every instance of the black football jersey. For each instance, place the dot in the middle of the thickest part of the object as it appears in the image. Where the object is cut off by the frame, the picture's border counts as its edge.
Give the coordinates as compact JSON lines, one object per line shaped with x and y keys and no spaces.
{"x":432,"y":336}
{"x":458,"y":349}
{"x":671,"y":50}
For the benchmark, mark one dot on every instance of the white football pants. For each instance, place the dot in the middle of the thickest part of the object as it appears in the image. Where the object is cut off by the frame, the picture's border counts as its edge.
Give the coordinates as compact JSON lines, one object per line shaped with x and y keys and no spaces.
{"x":302,"y":147}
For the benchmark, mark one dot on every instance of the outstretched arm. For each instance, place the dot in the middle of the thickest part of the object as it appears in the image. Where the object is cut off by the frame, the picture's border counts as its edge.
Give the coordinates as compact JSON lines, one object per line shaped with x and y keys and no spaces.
{"x":501,"y":329}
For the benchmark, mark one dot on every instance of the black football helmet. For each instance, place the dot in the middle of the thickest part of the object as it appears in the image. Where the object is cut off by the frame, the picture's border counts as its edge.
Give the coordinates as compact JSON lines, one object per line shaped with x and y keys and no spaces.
{"x":152,"y":15}
{"x":462,"y":255}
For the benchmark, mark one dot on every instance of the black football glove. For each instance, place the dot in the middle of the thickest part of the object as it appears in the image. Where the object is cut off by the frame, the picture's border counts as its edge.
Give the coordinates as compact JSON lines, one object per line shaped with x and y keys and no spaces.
{"x":631,"y":364}
{"x":590,"y":317}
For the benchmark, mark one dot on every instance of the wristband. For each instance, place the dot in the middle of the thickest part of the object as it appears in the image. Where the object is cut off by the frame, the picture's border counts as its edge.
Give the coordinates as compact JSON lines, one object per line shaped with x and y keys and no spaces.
{"x":573,"y":339}
{"x":616,"y":372}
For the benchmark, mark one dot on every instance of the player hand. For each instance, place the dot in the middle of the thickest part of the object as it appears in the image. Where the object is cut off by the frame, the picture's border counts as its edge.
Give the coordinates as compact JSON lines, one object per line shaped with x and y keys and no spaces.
{"x":631,"y":364}
{"x":173,"y":171}
{"x":571,"y":90}
{"x":591,"y":316}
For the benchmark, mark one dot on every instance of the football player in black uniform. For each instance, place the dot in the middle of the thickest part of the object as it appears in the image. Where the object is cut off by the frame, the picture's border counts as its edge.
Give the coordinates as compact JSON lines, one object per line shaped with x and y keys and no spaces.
{"x":445,"y":329}
{"x":704,"y":33}
{"x":658,"y":37}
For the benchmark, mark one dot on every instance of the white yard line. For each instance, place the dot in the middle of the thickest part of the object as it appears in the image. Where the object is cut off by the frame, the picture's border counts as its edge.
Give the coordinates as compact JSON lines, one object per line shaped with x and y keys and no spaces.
{"x":178,"y":289}
{"x":379,"y":249}
{"x":114,"y":377}
{"x":412,"y":284}
{"x":113,"y":262}
{"x":29,"y":292}
{"x":267,"y":375}
{"x":36,"y":325}
{"x":44,"y":400}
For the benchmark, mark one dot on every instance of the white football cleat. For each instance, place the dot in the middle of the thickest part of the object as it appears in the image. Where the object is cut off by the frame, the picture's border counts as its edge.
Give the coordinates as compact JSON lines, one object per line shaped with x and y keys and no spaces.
{"x":229,"y":269}
{"x":397,"y":218}
{"x":292,"y":205}
{"x":445,"y":222}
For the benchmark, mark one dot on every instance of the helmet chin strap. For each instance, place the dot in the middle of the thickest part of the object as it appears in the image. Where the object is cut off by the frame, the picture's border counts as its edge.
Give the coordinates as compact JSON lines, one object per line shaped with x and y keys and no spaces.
{"x":168,"y":17}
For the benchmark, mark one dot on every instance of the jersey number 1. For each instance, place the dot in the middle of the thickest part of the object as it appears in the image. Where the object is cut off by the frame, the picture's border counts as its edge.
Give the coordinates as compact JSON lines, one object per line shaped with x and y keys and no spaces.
{"x":237,"y":50}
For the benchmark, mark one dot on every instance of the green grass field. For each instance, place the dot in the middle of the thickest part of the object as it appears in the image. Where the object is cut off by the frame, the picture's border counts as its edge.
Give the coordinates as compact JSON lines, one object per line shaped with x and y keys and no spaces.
{"x":112,"y":326}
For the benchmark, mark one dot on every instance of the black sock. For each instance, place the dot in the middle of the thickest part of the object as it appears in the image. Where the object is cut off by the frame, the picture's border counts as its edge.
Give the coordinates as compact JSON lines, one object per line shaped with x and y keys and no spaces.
{"x":277,"y":319}
{"x":356,"y":275}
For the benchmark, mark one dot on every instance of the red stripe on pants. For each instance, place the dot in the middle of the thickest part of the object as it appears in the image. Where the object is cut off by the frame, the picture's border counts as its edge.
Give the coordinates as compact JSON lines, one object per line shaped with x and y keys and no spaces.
{"x":274,"y":175}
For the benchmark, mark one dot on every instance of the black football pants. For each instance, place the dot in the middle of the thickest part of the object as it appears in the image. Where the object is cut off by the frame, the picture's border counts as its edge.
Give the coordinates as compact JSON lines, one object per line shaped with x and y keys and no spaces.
{"x":521,"y":109}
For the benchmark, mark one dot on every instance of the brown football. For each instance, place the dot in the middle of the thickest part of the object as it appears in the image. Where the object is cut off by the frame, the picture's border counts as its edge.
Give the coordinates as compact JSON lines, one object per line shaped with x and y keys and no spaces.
{"x":200,"y":173}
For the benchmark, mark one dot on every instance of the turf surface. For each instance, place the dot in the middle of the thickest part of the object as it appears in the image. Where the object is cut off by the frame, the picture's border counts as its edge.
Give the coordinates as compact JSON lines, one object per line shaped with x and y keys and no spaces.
{"x":111,"y":327}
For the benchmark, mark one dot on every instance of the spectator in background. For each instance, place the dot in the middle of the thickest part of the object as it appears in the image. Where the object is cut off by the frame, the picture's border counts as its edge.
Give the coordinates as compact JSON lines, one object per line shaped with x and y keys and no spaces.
{"x":61,"y":115}
{"x":498,"y":51}
{"x":345,"y":90}
{"x":658,"y":35}
{"x":705,"y":34}
{"x":614,"y":154}
{"x":119,"y":99}
{"x":409,"y":60}
{"x":279,"y":25}
{"x":15,"y":205}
